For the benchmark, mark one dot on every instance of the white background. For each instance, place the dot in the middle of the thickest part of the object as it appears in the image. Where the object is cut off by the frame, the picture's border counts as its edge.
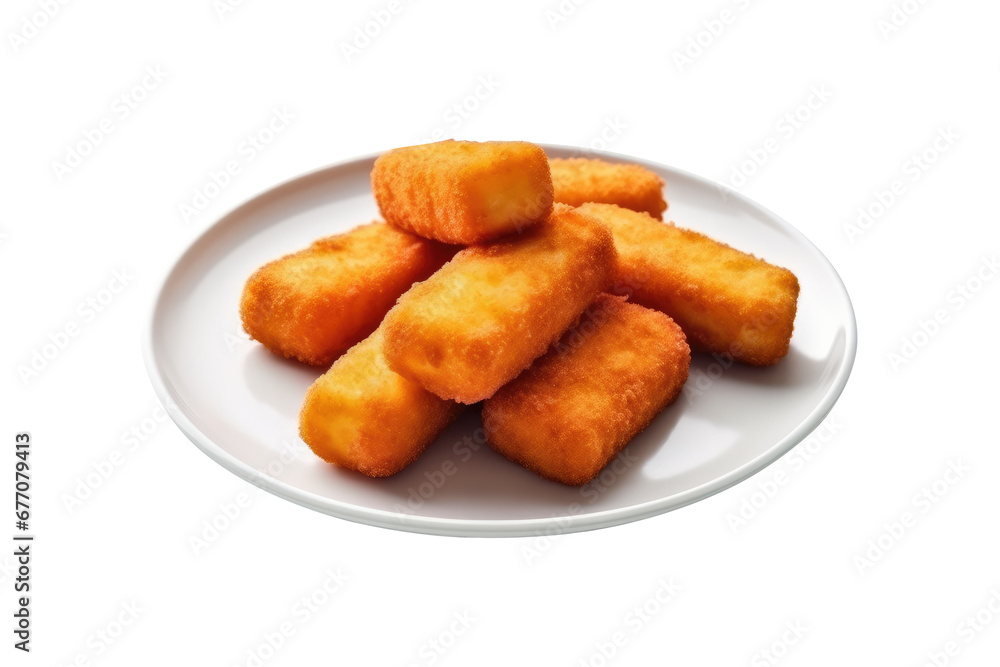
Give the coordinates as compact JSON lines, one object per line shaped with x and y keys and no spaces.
{"x":898,"y":428}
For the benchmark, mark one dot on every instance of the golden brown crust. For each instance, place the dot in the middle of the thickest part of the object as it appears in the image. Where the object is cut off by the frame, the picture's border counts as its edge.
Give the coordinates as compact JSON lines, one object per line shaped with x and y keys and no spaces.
{"x":464,"y":192}
{"x":726,"y":301}
{"x":314,"y":304}
{"x":581,"y":180}
{"x":481,"y":320}
{"x":577,"y":407}
{"x":361,"y":416}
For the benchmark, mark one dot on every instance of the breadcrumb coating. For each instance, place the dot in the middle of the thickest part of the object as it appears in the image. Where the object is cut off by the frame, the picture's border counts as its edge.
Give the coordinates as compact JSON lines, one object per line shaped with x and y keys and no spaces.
{"x":581,"y":180}
{"x":726,"y":301}
{"x":464,"y":192}
{"x":314,"y":304}
{"x":362,"y":416}
{"x":576,"y":408}
{"x":479,"y":321}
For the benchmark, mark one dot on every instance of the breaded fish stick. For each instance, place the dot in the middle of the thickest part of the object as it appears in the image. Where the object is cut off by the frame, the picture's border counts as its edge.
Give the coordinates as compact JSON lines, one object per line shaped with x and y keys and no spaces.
{"x":361,"y":416}
{"x":479,"y":321}
{"x":581,"y":180}
{"x":726,"y":301}
{"x":315,"y":304}
{"x":462,"y":191}
{"x":574,"y":409}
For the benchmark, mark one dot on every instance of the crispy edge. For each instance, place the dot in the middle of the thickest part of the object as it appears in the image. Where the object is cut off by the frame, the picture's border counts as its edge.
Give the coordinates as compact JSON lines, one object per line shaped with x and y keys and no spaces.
{"x":433,"y":190}
{"x":274,"y":313}
{"x":756,"y":332}
{"x":549,"y":408}
{"x":409,"y":331}
{"x":581,"y":180}
{"x":398,"y":419}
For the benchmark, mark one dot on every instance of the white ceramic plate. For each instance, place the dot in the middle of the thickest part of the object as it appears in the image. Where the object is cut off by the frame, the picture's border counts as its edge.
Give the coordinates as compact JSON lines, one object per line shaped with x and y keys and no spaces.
{"x":239,"y":403}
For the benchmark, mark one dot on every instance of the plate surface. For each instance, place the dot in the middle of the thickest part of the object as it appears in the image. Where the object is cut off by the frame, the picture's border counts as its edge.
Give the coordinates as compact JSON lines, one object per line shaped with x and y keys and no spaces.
{"x":239,"y":403}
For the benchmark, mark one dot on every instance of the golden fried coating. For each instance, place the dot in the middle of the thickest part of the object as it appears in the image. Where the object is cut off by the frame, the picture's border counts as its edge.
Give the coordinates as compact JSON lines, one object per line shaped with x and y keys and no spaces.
{"x":726,"y":301}
{"x":361,"y":416}
{"x":577,"y":407}
{"x":581,"y":180}
{"x":482,"y":319}
{"x":315,"y":304}
{"x":463,"y":191}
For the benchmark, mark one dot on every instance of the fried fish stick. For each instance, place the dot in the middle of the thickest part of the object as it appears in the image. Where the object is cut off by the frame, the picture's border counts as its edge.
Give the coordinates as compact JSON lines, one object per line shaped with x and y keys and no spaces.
{"x":315,"y":304}
{"x":577,"y":407}
{"x":726,"y":301}
{"x":487,"y":314}
{"x":463,"y":191}
{"x":362,"y":416}
{"x":581,"y":180}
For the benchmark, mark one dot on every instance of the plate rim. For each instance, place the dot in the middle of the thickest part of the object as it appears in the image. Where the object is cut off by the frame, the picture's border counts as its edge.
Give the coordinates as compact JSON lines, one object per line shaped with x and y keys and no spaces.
{"x":497,"y":527}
